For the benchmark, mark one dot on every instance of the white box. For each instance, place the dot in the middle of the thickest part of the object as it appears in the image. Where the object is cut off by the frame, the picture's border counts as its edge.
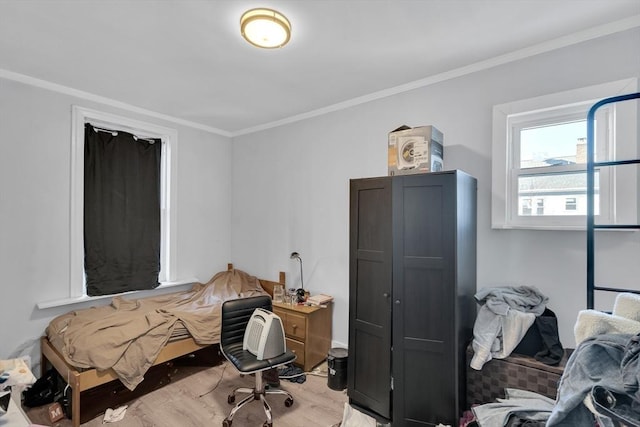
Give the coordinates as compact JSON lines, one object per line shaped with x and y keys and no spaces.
{"x":415,"y":150}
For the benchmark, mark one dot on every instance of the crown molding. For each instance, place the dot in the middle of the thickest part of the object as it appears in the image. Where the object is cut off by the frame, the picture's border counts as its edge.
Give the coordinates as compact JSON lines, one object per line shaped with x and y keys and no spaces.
{"x":66,"y":90}
{"x":548,"y":46}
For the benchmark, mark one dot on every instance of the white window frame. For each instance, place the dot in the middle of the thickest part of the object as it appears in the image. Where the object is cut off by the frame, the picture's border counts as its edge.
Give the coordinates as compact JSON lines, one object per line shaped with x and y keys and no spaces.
{"x":509,"y":118}
{"x":169,"y":137}
{"x":557,"y":114}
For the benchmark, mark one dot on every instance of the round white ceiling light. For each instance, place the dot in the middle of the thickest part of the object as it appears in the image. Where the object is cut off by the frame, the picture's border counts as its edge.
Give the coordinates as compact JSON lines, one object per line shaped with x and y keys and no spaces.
{"x":265,"y":28}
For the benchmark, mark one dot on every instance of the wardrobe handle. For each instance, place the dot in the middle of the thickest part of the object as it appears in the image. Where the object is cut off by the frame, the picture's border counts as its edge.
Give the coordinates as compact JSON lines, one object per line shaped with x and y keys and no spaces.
{"x":397,"y":301}
{"x":386,"y":295}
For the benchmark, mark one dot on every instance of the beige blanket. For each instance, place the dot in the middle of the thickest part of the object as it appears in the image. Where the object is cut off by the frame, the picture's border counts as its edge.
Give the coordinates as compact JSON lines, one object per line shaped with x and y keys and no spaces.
{"x":128,"y":335}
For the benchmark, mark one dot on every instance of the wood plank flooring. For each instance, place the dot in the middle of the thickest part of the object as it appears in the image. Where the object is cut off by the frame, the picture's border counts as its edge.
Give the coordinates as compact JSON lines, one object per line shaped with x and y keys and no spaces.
{"x":199,"y":398}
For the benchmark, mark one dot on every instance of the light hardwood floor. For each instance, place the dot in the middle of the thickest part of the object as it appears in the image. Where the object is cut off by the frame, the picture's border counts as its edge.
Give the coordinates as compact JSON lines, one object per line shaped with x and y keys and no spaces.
{"x":199,"y":398}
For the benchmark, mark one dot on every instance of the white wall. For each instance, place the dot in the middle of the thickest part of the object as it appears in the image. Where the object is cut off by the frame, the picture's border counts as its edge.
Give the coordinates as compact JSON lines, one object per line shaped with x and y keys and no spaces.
{"x":288,"y":190}
{"x":35,"y":153}
{"x":291,"y":184}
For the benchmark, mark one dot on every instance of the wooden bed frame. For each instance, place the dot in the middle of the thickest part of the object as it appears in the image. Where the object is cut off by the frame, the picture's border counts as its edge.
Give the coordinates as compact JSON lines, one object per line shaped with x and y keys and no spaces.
{"x":81,"y":381}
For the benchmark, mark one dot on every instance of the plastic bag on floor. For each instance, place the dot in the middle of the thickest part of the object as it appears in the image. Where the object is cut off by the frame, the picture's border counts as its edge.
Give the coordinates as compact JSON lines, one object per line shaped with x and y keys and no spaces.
{"x":114,"y":415}
{"x":354,"y":418}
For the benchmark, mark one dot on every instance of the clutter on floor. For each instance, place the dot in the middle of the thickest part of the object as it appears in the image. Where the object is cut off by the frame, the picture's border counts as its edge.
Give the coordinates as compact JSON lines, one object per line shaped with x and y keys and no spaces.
{"x":114,"y":415}
{"x":292,"y":373}
{"x":16,"y":372}
{"x":353,"y":418}
{"x":519,"y":407}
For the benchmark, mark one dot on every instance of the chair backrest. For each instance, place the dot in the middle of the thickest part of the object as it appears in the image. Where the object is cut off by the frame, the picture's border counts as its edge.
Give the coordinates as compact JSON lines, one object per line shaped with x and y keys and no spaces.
{"x":235,"y":317}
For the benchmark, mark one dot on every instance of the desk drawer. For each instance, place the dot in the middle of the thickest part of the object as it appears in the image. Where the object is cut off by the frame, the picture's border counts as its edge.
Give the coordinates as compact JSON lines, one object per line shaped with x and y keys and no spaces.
{"x":307,"y":332}
{"x":298,"y":348}
{"x":295,"y":325}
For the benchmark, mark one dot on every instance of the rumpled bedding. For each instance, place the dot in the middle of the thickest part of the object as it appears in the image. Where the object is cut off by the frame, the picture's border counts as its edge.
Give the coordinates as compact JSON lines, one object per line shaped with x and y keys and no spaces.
{"x":128,"y":335}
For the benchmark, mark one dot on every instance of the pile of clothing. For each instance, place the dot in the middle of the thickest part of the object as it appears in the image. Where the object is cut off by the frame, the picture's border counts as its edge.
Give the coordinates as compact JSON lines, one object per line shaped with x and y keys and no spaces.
{"x":602,"y":378}
{"x":505,"y":317}
{"x":601,"y":381}
{"x":518,"y":408}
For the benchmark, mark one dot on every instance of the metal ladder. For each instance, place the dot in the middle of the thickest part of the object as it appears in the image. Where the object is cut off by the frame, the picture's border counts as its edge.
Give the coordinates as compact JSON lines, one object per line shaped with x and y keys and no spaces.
{"x":591,"y":226}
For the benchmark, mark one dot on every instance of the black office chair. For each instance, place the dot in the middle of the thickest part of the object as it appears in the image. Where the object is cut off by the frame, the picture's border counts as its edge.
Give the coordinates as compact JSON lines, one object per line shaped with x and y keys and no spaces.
{"x":235,"y":317}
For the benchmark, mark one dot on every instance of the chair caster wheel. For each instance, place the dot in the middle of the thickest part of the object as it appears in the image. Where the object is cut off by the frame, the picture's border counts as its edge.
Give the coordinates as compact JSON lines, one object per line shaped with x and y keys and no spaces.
{"x":231,"y":399}
{"x":266,"y":424}
{"x":288,"y":402}
{"x":226,"y":423}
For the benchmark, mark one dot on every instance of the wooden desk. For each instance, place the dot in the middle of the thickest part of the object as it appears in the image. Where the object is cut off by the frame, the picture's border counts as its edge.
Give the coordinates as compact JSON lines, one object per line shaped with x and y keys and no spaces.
{"x":308,"y":332}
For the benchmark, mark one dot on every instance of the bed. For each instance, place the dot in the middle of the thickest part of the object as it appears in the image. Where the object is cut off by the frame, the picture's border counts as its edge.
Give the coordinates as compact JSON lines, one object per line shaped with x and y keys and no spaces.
{"x":68,"y":350}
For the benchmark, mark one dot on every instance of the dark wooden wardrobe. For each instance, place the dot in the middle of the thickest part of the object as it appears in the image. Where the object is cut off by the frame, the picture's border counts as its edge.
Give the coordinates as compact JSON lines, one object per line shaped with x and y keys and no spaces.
{"x":412,"y":278}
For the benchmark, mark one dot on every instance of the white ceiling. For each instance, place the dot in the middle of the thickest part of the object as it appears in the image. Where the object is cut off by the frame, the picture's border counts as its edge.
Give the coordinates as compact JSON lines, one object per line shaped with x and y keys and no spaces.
{"x":186,"y":58}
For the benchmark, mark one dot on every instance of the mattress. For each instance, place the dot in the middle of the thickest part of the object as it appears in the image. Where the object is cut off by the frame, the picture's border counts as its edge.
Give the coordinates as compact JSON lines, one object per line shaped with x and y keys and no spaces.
{"x":128,"y":334}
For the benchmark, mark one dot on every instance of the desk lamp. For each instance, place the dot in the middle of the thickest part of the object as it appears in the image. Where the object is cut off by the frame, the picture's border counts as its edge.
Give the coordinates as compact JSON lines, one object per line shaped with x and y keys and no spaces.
{"x":300,"y":291}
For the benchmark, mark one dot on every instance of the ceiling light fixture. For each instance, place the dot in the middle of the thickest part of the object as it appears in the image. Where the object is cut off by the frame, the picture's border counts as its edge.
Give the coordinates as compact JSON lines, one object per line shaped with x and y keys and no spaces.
{"x":265,"y":28}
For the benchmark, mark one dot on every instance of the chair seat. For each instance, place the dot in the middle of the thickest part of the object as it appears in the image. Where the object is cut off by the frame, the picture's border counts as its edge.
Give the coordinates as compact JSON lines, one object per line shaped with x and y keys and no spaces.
{"x":246,"y":362}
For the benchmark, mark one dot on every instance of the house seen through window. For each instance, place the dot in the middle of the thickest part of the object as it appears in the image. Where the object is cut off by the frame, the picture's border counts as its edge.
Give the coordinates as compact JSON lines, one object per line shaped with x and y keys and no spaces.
{"x":552,"y":162}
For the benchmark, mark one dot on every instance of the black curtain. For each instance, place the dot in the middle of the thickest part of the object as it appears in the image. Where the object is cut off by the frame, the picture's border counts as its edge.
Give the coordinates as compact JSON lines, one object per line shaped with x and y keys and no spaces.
{"x":121,"y":211}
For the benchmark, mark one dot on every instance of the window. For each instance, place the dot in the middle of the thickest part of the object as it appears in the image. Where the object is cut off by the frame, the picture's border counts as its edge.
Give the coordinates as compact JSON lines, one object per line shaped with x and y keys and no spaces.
{"x":539,"y":159}
{"x":526,"y":206}
{"x":552,"y":158}
{"x":121,"y":218}
{"x":168,"y":138}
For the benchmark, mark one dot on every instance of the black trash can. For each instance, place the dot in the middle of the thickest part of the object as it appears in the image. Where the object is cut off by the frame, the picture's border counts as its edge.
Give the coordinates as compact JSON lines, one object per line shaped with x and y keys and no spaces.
{"x":337,"y":364}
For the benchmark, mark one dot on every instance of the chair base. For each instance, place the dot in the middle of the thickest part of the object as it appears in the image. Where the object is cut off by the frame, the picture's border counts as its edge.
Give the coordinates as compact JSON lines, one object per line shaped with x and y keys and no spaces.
{"x":257,"y":393}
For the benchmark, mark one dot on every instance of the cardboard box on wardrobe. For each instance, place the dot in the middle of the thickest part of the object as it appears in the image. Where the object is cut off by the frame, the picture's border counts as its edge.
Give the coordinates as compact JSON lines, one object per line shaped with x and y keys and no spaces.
{"x":415,"y":150}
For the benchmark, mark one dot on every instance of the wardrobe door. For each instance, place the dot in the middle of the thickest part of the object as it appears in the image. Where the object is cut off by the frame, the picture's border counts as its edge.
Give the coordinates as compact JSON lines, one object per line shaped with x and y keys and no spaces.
{"x":424,"y":364}
{"x":370,"y":251}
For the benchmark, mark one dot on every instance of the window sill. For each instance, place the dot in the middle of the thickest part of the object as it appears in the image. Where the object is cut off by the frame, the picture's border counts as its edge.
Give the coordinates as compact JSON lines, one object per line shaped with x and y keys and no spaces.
{"x":78,"y":300}
{"x":557,"y":228}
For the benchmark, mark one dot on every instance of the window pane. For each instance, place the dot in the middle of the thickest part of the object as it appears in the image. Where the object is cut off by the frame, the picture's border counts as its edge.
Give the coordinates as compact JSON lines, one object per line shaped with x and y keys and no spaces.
{"x":556,"y":194}
{"x":553,"y":145}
